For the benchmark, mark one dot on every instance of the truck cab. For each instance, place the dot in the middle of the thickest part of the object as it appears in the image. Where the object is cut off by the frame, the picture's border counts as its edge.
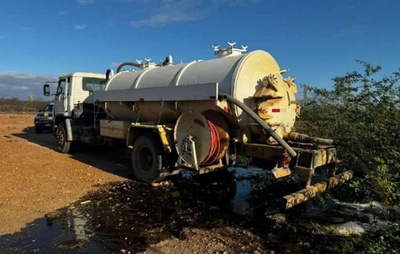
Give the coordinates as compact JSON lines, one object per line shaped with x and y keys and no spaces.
{"x":73,"y":101}
{"x":73,"y":90}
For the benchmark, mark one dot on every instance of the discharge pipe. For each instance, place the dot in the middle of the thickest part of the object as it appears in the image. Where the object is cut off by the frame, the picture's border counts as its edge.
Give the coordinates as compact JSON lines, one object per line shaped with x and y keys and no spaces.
{"x":294,"y":136}
{"x":263,"y":124}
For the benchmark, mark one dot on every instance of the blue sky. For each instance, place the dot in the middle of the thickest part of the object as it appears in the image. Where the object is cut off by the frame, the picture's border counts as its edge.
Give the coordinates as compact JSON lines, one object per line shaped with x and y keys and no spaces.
{"x":315,"y":40}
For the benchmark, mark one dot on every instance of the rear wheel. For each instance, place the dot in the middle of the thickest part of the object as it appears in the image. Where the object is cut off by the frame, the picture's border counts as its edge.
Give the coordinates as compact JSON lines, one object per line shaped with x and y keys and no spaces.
{"x":147,"y":158}
{"x":63,"y":144}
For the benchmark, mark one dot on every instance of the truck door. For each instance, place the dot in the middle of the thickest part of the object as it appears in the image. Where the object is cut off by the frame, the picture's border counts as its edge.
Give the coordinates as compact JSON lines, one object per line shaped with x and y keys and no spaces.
{"x":60,"y":99}
{"x":68,"y":95}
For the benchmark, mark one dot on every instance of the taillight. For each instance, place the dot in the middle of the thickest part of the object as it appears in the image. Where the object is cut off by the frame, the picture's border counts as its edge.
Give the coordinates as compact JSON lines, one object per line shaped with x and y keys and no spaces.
{"x":286,"y":160}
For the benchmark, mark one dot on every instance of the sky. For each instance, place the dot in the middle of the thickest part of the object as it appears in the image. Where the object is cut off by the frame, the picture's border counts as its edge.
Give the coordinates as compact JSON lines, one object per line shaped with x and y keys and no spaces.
{"x":315,"y":40}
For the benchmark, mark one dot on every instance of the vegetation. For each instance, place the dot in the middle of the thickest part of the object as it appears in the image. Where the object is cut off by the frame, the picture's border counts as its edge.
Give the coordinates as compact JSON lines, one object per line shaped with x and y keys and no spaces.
{"x":363,"y":114}
{"x":17,"y":106}
{"x":374,"y":242}
{"x":30,"y":96}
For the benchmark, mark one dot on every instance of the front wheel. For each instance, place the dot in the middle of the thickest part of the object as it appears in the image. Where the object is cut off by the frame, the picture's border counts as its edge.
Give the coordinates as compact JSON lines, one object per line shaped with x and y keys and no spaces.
{"x":147,"y":158}
{"x":63,"y":144}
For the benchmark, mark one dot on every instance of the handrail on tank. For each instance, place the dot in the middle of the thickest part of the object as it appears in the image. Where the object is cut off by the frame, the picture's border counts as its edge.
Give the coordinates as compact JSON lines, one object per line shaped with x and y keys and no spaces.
{"x":128,"y":63}
{"x":263,"y":124}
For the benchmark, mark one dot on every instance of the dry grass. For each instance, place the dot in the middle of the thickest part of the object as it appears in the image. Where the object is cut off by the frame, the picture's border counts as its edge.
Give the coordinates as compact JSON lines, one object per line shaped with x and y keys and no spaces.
{"x":17,"y":106}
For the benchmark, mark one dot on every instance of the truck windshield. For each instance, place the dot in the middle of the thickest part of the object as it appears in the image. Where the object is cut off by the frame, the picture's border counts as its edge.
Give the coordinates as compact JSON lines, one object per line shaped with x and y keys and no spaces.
{"x":93,"y":84}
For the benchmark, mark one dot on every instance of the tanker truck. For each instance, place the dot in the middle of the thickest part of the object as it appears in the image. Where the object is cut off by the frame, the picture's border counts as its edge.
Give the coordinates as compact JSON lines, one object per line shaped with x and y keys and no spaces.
{"x":200,"y":116}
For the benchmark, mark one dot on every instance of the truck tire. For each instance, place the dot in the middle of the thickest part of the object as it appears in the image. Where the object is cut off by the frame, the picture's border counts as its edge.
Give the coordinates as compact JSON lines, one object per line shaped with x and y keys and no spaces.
{"x":146,"y":158}
{"x":63,"y":145}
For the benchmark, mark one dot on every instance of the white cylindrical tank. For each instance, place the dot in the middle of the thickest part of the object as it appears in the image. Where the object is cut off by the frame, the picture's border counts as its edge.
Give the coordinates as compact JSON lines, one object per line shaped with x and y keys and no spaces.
{"x":253,"y":78}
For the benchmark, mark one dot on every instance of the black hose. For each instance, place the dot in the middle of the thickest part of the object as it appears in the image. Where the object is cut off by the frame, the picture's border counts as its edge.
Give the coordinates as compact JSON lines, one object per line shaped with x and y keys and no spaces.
{"x":294,"y":136}
{"x":108,"y":74}
{"x":263,"y":124}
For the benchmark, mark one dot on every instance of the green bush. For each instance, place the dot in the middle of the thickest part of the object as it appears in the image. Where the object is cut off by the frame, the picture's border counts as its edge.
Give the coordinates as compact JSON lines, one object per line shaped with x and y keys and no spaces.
{"x":374,"y":242}
{"x":363,"y":114}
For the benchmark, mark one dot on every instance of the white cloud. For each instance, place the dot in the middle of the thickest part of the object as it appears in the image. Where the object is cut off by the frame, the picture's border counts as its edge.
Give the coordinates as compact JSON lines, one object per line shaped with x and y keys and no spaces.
{"x":176,"y":11}
{"x":233,"y":2}
{"x":170,"y":11}
{"x":79,"y":27}
{"x":19,"y":84}
{"x":158,"y":19}
{"x":85,"y":2}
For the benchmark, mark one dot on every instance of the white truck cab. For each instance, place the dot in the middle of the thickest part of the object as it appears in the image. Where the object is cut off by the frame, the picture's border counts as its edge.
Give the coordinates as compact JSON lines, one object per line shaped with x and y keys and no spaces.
{"x":75,"y":89}
{"x":73,"y":101}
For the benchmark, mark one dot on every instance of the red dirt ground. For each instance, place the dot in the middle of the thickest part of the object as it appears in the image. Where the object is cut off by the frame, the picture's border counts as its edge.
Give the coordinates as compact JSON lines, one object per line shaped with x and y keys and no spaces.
{"x":34,"y":178}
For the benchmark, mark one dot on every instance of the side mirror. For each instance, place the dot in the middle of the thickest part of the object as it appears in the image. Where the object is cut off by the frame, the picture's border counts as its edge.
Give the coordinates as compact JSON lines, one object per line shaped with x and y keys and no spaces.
{"x":46,"y":90}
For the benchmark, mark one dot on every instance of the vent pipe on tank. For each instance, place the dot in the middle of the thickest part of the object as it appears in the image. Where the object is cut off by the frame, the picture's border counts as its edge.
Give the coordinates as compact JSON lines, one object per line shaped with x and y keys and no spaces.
{"x":231,"y":51}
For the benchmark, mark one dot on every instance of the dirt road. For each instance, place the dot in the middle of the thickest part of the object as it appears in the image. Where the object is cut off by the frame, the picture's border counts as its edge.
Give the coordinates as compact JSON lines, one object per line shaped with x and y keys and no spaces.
{"x":35,"y":180}
{"x":85,"y":202}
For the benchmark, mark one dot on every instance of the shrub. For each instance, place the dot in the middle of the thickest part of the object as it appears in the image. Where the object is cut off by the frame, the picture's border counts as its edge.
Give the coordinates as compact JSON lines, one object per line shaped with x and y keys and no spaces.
{"x":363,"y":114}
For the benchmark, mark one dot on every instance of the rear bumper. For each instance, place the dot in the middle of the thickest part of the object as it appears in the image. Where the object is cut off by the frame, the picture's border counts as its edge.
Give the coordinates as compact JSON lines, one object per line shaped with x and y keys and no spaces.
{"x":315,"y":166}
{"x":315,"y":189}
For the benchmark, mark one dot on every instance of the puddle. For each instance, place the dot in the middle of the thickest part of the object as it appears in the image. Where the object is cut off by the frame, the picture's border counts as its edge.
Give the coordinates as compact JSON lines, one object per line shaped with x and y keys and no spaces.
{"x":131,"y":216}
{"x":40,"y":237}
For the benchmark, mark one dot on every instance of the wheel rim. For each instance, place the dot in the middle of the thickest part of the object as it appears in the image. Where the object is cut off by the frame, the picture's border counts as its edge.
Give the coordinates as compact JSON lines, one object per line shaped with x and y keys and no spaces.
{"x":145,"y":159}
{"x":60,"y":138}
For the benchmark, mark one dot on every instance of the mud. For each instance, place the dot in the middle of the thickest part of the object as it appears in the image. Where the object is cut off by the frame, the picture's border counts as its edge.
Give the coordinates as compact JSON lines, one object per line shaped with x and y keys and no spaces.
{"x":87,"y":202}
{"x":225,"y":212}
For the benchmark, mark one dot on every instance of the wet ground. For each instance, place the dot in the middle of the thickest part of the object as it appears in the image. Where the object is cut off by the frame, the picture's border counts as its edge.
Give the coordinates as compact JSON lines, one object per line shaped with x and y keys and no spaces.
{"x":128,"y":217}
{"x":85,"y":203}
